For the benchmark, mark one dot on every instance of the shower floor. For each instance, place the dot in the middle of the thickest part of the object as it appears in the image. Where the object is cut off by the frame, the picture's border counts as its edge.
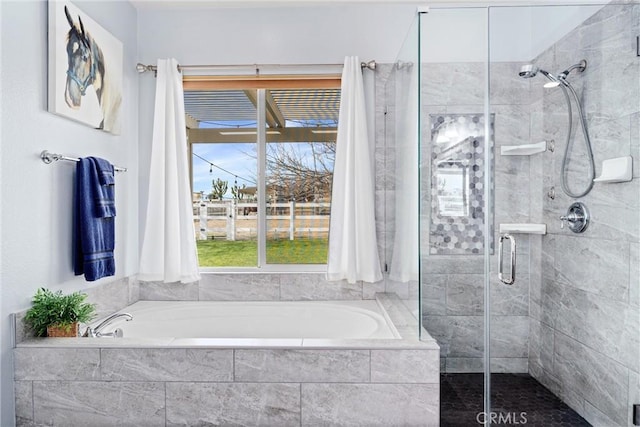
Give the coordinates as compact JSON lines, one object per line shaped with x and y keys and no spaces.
{"x":512,"y":394}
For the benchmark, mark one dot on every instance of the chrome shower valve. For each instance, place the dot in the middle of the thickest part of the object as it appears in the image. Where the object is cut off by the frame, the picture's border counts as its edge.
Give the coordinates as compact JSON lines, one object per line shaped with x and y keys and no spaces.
{"x":577,"y":218}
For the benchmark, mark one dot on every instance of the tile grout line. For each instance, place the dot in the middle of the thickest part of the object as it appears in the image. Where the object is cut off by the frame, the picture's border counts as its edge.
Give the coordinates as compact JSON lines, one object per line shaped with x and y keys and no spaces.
{"x":300,"y":402}
{"x":33,"y":403}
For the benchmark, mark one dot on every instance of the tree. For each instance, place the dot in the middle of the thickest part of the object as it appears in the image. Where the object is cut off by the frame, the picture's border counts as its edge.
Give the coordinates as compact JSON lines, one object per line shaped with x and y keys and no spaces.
{"x":218,"y":189}
{"x":300,"y":172}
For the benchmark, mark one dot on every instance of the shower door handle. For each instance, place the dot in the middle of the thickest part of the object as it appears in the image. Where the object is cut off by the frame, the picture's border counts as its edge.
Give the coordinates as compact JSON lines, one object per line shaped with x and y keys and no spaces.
{"x":512,"y":253}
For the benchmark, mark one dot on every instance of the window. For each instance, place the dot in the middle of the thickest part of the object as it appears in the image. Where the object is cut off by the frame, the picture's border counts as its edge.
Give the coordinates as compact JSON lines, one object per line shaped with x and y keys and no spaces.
{"x":262,"y":166}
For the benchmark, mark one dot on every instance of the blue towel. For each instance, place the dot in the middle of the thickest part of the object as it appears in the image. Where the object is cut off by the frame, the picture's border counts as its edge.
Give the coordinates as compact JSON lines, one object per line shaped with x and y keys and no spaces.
{"x":104,"y":197}
{"x":95,"y":219}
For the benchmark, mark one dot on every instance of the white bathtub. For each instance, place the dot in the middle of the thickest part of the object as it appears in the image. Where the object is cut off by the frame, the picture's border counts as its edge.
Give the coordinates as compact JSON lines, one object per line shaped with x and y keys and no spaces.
{"x":277,"y":319}
{"x":238,"y":369}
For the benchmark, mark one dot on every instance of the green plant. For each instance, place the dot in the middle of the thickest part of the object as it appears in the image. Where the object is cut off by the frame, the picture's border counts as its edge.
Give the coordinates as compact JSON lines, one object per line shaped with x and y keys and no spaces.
{"x":53,"y":308}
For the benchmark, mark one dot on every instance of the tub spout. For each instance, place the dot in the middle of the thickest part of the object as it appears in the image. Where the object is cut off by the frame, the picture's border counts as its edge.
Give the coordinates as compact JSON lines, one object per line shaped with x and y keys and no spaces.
{"x":97,"y":331}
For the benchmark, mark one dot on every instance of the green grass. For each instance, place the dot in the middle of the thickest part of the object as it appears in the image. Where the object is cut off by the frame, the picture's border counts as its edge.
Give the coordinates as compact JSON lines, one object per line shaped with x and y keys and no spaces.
{"x":224,"y":253}
{"x":300,"y":251}
{"x":244,"y":253}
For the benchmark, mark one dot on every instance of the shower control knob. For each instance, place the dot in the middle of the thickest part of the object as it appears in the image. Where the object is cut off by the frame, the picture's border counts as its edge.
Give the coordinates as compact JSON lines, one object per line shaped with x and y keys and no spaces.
{"x":577,"y":218}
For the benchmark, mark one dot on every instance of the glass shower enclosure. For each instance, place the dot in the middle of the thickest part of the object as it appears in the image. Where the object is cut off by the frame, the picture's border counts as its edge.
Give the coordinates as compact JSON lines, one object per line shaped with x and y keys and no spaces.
{"x":527,"y":284}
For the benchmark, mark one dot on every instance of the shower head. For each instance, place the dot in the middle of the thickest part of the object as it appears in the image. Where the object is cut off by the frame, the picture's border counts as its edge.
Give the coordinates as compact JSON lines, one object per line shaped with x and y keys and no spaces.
{"x":553,"y":81}
{"x":527,"y":71}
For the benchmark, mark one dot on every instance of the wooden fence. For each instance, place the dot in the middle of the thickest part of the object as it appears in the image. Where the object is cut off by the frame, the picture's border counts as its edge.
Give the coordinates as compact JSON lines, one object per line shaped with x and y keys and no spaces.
{"x":233,"y":220}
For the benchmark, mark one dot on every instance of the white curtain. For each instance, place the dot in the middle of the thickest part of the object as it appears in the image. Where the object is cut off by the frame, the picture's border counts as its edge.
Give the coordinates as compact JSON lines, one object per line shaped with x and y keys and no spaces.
{"x":169,"y":251}
{"x":405,"y":258}
{"x":353,"y":249}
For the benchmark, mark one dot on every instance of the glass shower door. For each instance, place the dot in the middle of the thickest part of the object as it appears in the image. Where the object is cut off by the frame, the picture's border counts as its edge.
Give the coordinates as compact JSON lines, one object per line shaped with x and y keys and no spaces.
{"x":455,"y":169}
{"x":400,"y":174}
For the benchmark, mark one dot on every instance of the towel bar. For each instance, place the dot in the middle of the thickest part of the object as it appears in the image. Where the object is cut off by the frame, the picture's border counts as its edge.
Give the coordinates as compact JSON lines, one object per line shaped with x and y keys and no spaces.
{"x":48,"y":158}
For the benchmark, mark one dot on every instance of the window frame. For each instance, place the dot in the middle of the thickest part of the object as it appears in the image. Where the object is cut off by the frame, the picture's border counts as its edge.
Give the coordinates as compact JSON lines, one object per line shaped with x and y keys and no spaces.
{"x":261,"y":83}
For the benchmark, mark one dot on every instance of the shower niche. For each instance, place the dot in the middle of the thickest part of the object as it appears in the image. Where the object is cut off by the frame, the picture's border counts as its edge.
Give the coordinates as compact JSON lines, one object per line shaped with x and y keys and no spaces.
{"x":457,"y":183}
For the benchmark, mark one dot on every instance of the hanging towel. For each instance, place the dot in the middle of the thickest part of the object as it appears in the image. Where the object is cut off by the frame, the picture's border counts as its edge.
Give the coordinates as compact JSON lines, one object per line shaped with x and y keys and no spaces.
{"x":95,"y":219}
{"x":105,"y":200}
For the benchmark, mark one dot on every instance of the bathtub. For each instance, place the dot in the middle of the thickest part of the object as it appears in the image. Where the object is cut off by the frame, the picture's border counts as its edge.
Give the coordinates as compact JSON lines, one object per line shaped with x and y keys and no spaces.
{"x":301,"y":363}
{"x":264,"y":319}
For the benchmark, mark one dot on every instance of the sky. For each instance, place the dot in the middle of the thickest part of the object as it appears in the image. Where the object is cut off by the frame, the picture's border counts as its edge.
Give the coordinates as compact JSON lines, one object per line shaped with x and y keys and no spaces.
{"x":235,"y":158}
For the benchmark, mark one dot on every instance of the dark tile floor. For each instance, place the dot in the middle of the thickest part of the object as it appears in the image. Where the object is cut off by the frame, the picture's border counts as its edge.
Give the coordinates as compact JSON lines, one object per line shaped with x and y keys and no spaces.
{"x":516,"y":399}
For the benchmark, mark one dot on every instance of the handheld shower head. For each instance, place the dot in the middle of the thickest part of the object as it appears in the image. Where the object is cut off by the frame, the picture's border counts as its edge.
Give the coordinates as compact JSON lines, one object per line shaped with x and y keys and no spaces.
{"x":528,"y":71}
{"x":553,"y":81}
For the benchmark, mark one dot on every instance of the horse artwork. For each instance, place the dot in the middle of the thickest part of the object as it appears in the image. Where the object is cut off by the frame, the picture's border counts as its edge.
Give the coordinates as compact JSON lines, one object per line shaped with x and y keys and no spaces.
{"x":85,"y":69}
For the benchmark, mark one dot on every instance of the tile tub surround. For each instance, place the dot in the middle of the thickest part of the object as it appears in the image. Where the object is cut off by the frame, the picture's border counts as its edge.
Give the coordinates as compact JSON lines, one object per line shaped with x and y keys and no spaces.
{"x":108,"y":297}
{"x":257,"y":287}
{"x":81,"y":381}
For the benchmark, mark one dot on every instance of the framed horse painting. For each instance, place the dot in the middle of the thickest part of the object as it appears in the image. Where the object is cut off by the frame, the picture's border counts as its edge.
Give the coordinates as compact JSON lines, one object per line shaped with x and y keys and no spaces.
{"x":85,"y":69}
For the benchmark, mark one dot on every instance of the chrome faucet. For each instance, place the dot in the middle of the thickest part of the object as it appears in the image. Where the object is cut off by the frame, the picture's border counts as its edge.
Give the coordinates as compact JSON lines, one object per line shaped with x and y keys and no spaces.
{"x":96,"y":332}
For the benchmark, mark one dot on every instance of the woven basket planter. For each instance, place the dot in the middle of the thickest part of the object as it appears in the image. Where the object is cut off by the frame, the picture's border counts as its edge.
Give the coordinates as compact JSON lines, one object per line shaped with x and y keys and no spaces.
{"x":60,"y":331}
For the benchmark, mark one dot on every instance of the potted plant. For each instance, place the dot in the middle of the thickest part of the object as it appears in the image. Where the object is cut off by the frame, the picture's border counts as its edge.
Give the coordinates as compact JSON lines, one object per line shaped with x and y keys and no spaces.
{"x":56,"y":315}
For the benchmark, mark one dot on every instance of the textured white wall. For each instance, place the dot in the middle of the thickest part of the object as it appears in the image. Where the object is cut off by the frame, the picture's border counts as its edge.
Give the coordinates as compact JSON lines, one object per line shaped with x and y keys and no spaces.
{"x":37,"y":199}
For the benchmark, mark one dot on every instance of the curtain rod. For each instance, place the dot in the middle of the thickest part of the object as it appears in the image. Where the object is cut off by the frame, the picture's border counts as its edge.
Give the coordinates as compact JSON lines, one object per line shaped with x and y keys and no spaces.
{"x":141,"y":68}
{"x":49,"y":158}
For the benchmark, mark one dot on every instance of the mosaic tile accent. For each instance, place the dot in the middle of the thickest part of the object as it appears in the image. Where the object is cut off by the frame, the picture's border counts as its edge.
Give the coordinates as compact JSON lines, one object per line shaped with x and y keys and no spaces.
{"x":457,"y":183}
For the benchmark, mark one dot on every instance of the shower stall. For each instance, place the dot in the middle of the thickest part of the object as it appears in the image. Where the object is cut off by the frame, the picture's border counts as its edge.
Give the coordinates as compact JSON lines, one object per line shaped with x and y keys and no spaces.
{"x":525,"y":220}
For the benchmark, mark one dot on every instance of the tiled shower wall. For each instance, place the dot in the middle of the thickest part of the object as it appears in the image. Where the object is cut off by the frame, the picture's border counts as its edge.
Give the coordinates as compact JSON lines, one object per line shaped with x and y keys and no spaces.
{"x":584,"y":308}
{"x":453,"y":285}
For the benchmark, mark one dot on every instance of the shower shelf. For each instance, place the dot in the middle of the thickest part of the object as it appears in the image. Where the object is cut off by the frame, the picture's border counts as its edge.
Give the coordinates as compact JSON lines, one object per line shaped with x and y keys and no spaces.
{"x":525,"y":228}
{"x":524,"y":150}
{"x":616,"y":170}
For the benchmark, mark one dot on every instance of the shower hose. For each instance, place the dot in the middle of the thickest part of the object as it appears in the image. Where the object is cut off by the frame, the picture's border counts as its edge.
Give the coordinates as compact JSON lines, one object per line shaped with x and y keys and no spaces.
{"x":565,"y":158}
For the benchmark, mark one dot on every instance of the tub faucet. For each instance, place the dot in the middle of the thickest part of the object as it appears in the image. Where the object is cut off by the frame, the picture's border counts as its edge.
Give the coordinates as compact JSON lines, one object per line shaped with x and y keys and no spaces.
{"x":97,"y":331}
